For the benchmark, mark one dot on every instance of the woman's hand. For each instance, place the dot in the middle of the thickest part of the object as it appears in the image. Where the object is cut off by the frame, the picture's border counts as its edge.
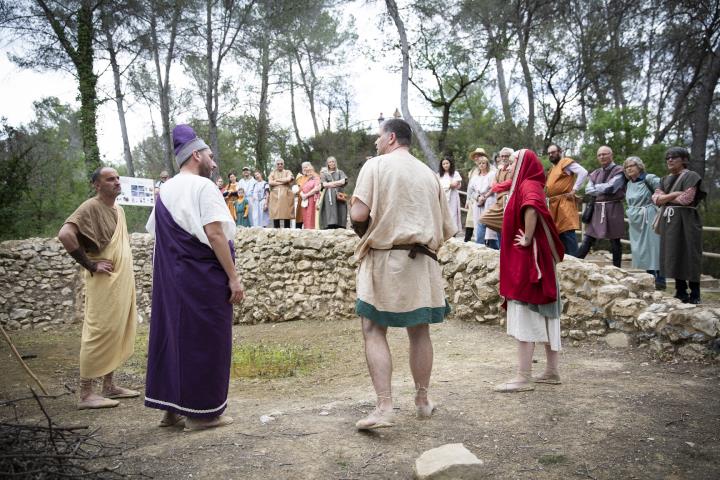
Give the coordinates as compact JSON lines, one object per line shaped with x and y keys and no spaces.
{"x":521,"y":240}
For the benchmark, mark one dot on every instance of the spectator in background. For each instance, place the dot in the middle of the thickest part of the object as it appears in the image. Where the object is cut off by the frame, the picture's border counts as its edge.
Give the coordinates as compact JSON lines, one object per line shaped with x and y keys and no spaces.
{"x":246,"y":182}
{"x":680,"y":226}
{"x":164,"y":177}
{"x":300,"y":180}
{"x":482,"y":197}
{"x":607,"y":185}
{"x":258,"y":198}
{"x":470,"y":221}
{"x":231,"y":194}
{"x":641,"y":213}
{"x":309,"y":196}
{"x":450,"y":181}
{"x":564,"y":180}
{"x":281,"y":196}
{"x":493,"y":216}
{"x":333,"y":210}
{"x":242,"y":210}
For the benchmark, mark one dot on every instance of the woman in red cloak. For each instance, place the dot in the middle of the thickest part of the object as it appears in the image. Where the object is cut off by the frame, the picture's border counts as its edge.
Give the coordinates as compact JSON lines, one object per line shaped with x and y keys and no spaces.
{"x":530,"y":249}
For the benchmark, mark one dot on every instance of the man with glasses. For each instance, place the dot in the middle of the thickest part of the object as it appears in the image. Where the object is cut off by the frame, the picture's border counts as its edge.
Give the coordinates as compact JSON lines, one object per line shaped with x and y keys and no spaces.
{"x":680,"y":226}
{"x":565,"y":178}
{"x":607,"y":185}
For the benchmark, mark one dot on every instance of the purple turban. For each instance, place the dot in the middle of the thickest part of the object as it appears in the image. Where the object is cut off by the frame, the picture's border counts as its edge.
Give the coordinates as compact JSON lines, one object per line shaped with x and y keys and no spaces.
{"x":185,"y":142}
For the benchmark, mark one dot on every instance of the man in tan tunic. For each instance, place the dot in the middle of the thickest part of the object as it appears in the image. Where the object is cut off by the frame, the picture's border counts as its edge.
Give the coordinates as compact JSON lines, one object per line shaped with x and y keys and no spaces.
{"x":281,"y":195}
{"x":399,"y":209}
{"x":96,"y":236}
{"x":564,"y":179}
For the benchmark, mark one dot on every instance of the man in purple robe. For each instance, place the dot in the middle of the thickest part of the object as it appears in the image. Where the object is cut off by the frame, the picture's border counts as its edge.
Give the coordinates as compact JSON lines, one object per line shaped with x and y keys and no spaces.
{"x":194,"y":287}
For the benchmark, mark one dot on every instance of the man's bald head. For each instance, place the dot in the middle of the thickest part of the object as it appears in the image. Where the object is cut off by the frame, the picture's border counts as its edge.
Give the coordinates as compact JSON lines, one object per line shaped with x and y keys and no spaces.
{"x":605,"y":155}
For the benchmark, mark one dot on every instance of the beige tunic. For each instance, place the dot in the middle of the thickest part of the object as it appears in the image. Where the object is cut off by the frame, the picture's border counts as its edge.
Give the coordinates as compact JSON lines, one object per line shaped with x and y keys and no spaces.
{"x":108,"y":335}
{"x":407,"y":206}
{"x":281,"y":196}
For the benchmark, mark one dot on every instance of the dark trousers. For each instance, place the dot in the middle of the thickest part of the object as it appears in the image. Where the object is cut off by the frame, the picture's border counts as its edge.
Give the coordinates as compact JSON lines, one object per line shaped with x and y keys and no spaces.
{"x":660,"y":282}
{"x":276,"y":223}
{"x":569,"y":241}
{"x":298,"y":224}
{"x":468,"y":233}
{"x":681,"y":287}
{"x":615,"y":248}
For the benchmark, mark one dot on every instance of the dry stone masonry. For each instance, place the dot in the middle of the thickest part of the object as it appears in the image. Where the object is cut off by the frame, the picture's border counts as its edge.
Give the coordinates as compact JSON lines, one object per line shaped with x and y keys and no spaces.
{"x":296,"y":274}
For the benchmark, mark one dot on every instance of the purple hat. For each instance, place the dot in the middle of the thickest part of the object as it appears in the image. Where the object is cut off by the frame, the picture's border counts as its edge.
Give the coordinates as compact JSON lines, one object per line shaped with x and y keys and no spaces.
{"x":185,"y":142}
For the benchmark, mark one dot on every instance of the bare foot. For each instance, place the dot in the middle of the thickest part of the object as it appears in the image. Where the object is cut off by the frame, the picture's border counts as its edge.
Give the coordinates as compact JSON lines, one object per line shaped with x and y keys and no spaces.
{"x":377,"y":419}
{"x":171,"y":419}
{"x":93,"y":401}
{"x":548,"y":377}
{"x":192,"y":424}
{"x":517,"y":384}
{"x":119,"y":392}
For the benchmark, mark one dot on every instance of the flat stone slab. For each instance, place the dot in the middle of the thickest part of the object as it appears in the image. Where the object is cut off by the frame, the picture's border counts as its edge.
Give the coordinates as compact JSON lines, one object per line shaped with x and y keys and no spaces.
{"x":617,"y":340}
{"x":448,"y":462}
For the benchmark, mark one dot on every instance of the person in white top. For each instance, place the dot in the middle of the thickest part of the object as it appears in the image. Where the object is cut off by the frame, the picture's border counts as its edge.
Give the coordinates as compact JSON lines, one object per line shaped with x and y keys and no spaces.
{"x":194,"y":287}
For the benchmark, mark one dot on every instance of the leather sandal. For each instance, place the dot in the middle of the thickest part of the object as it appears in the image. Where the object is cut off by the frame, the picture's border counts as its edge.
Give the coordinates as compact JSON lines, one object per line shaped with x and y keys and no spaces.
{"x":120,"y":392}
{"x":377,"y":419}
{"x":549,"y":378}
{"x":192,"y":425}
{"x":96,"y":403}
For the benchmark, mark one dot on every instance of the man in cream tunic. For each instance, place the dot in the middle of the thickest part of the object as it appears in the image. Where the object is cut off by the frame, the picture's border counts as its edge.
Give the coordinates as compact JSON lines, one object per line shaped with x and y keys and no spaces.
{"x":96,"y":236}
{"x":400,"y":203}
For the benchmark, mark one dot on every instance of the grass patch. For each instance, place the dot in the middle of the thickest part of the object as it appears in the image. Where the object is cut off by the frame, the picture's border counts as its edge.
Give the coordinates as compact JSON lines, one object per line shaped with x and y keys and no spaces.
{"x":552,"y":459}
{"x":261,"y":360}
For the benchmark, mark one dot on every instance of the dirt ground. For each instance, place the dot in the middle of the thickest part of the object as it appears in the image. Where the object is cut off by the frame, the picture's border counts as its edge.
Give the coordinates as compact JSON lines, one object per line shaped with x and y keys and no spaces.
{"x":618,"y":415}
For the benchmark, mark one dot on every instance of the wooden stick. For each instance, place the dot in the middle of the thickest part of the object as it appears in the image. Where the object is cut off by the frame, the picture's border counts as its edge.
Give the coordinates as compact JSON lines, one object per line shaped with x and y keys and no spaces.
{"x":22,"y":362}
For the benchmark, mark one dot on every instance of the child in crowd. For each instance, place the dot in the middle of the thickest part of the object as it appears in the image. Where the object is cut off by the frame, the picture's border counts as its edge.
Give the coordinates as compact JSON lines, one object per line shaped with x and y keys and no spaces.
{"x":242,"y":209}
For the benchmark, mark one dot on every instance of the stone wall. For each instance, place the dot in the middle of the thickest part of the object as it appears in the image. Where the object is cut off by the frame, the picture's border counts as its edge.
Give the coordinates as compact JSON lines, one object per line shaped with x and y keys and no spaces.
{"x":292,"y":274}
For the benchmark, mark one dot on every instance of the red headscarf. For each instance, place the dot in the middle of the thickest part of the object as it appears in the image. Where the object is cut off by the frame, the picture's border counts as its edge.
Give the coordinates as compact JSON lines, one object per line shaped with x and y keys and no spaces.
{"x":527,"y":274}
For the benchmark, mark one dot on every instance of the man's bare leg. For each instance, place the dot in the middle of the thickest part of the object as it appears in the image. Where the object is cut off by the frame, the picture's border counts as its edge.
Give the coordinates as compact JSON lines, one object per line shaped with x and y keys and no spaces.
{"x":90,"y":400}
{"x":421,"y":361}
{"x":379,"y":361}
{"x":110,"y":390}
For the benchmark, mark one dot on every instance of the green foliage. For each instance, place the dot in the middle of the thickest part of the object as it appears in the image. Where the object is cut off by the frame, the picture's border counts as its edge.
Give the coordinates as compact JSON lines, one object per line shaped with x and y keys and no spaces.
{"x":349,"y":147}
{"x":272,"y":361}
{"x":42,"y":171}
{"x":626,"y":132}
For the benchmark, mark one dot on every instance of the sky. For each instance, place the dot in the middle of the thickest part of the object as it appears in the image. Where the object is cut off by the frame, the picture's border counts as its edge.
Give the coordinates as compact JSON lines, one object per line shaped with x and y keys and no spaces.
{"x":375,"y":89}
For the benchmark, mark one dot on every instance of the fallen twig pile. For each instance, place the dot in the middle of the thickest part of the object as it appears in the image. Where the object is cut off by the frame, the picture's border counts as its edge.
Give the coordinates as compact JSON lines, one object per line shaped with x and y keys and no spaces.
{"x":53,"y":451}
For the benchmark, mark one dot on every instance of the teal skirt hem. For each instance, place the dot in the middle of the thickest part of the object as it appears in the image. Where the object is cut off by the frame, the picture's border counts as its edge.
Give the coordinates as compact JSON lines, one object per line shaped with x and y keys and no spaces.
{"x":402,"y":319}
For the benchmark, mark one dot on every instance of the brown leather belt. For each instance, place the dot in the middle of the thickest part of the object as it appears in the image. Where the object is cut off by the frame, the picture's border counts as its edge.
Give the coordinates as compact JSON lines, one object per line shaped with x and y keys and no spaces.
{"x":415,"y":249}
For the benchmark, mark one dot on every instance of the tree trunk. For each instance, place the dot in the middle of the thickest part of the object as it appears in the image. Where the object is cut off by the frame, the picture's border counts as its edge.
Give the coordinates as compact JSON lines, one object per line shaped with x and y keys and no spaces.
{"x":309,"y":87}
{"x":430,"y":156}
{"x":211,"y":86}
{"x":163,"y":92}
{"x":82,"y":57}
{"x":299,"y":141}
{"x":261,"y":150}
{"x":88,"y":86}
{"x":119,"y":97}
{"x":445,"y":125}
{"x":528,"y":88}
{"x":502,"y":88}
{"x":700,"y":114}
